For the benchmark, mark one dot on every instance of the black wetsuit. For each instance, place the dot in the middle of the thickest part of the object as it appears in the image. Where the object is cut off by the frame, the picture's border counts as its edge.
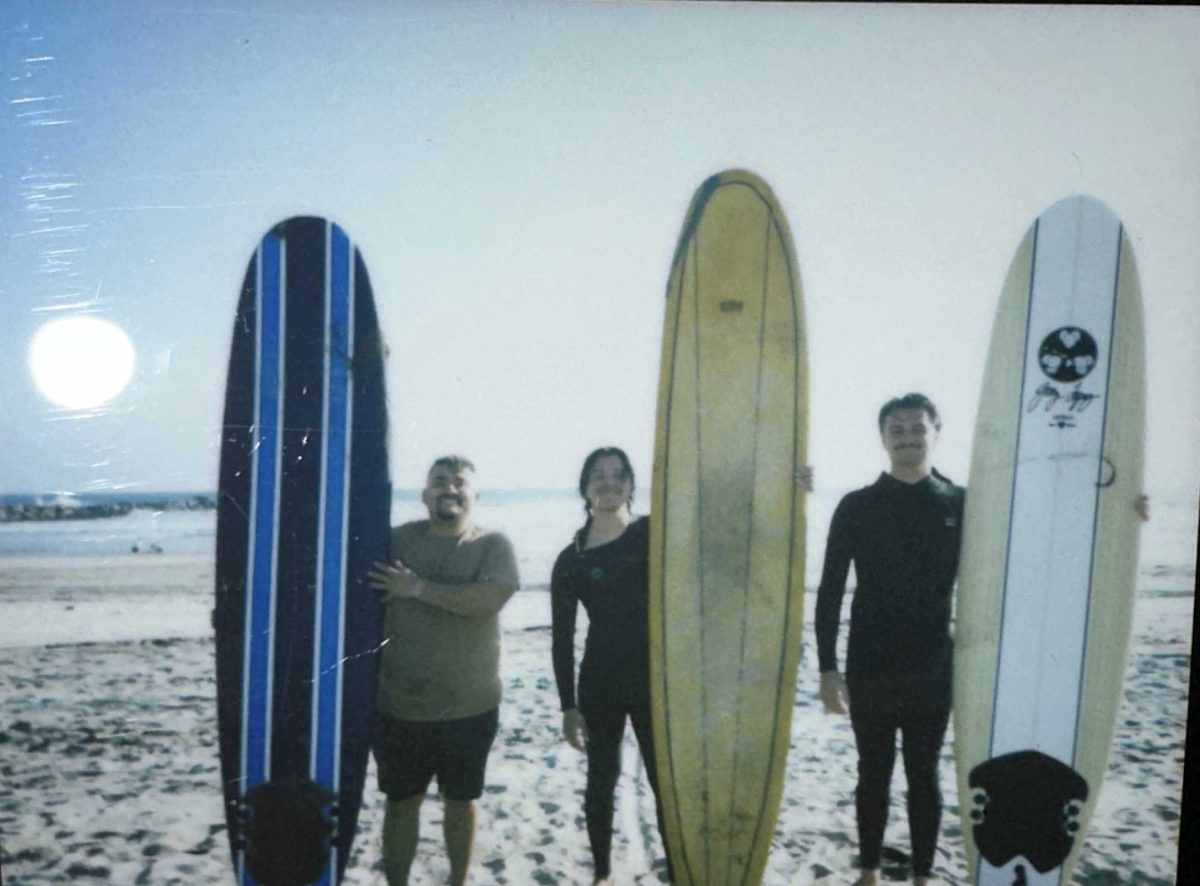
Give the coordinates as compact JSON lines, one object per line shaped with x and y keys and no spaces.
{"x":904,"y":541}
{"x":610,"y":580}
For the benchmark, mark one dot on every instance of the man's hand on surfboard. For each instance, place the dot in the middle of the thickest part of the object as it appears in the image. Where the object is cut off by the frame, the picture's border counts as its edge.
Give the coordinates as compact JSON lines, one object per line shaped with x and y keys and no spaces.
{"x":1141,"y":506}
{"x":804,"y":477}
{"x":575,"y":729}
{"x":396,"y":580}
{"x":833,"y":693}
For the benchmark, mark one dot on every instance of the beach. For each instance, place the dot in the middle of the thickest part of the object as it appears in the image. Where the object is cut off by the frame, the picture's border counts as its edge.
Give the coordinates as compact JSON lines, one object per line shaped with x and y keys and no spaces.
{"x":108,"y":740}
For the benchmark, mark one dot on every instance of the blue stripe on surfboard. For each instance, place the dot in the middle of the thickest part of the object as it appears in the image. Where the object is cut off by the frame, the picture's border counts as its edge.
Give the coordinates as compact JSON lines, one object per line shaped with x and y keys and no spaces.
{"x":330,"y":599}
{"x":264,"y":518}
{"x":348,"y":386}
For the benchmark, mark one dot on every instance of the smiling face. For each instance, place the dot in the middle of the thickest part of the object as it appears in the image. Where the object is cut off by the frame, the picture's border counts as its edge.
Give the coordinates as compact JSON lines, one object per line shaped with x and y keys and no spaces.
{"x":609,"y":485}
{"x":909,"y":436}
{"x":449,"y":494}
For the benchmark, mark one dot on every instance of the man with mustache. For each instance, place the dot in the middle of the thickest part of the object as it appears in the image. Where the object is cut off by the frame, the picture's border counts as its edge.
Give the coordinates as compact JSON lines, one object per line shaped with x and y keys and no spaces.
{"x":903,"y":534}
{"x":437,"y":708}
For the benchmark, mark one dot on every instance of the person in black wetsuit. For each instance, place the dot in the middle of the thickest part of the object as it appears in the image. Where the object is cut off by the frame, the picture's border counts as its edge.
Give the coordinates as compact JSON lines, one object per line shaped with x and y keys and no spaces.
{"x":903,"y":534}
{"x":606,"y":568}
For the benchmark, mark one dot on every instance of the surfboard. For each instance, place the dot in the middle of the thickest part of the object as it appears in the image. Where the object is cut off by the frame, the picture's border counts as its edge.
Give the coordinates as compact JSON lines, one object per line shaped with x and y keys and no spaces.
{"x":1046,"y":580}
{"x":302,"y":512}
{"x":727,"y":530}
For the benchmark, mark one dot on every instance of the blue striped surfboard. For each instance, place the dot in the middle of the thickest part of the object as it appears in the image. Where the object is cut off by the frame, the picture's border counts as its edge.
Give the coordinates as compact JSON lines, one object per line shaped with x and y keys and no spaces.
{"x":303,"y":511}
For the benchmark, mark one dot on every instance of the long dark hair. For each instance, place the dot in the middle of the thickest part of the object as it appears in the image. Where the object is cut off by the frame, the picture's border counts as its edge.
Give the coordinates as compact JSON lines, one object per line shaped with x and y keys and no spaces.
{"x":590,"y":462}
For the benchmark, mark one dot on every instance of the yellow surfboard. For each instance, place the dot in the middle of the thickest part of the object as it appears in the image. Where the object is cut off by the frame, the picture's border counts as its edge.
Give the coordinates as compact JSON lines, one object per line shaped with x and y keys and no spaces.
{"x":727,"y":530}
{"x":1046,"y":581}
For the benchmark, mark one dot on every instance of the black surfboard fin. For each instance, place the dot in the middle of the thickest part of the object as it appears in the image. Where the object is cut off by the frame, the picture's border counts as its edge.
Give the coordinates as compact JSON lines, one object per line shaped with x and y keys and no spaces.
{"x":288,"y":831}
{"x":1026,"y":804}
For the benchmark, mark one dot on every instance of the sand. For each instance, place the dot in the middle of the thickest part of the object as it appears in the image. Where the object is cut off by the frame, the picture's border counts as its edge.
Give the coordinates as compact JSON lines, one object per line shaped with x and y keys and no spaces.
{"x":108,"y":752}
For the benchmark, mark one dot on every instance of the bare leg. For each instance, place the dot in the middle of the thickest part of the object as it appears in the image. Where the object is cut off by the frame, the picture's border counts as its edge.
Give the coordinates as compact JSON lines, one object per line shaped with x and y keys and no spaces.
{"x":401,"y":827}
{"x":458,"y":827}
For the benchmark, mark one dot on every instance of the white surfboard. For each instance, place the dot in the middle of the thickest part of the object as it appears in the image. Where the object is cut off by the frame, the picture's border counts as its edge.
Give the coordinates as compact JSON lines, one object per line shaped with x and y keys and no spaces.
{"x":1046,"y":580}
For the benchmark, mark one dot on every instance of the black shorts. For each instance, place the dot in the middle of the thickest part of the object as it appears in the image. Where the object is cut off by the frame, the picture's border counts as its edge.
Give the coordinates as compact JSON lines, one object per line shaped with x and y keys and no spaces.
{"x":409,"y":753}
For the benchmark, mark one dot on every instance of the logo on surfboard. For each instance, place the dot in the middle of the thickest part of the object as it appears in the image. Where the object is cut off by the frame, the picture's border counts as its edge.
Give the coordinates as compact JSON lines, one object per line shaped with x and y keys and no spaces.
{"x":1066,"y":355}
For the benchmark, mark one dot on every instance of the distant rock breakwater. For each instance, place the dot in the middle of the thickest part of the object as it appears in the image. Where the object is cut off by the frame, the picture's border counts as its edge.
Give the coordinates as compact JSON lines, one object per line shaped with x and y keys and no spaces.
{"x":63,"y":507}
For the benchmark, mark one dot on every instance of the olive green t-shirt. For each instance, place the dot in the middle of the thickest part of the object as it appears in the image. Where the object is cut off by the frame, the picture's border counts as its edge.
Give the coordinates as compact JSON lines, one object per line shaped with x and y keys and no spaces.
{"x":438,"y":665}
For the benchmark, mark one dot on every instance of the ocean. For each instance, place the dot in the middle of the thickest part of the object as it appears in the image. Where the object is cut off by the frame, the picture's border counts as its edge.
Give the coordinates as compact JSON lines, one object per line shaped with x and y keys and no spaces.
{"x":540,"y":523}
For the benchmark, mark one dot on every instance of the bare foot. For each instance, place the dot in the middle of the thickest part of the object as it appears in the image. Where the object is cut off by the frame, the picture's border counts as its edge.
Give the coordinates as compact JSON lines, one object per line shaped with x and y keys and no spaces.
{"x":603,"y":881}
{"x":868,"y":878}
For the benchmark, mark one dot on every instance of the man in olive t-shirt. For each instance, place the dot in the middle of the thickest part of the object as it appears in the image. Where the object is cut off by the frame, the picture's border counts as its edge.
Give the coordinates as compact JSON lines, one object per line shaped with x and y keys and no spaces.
{"x":439,"y":683}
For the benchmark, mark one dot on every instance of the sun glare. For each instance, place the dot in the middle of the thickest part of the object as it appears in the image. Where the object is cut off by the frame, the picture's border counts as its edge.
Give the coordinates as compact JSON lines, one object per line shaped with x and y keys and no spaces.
{"x":81,"y":362}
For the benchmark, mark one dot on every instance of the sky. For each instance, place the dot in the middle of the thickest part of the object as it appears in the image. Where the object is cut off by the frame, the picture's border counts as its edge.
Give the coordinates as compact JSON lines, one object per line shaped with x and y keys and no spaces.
{"x":516,"y":176}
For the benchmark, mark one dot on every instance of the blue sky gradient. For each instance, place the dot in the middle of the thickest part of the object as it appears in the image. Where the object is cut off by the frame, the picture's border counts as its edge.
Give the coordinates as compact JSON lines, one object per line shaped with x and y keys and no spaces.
{"x":516,"y":175}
